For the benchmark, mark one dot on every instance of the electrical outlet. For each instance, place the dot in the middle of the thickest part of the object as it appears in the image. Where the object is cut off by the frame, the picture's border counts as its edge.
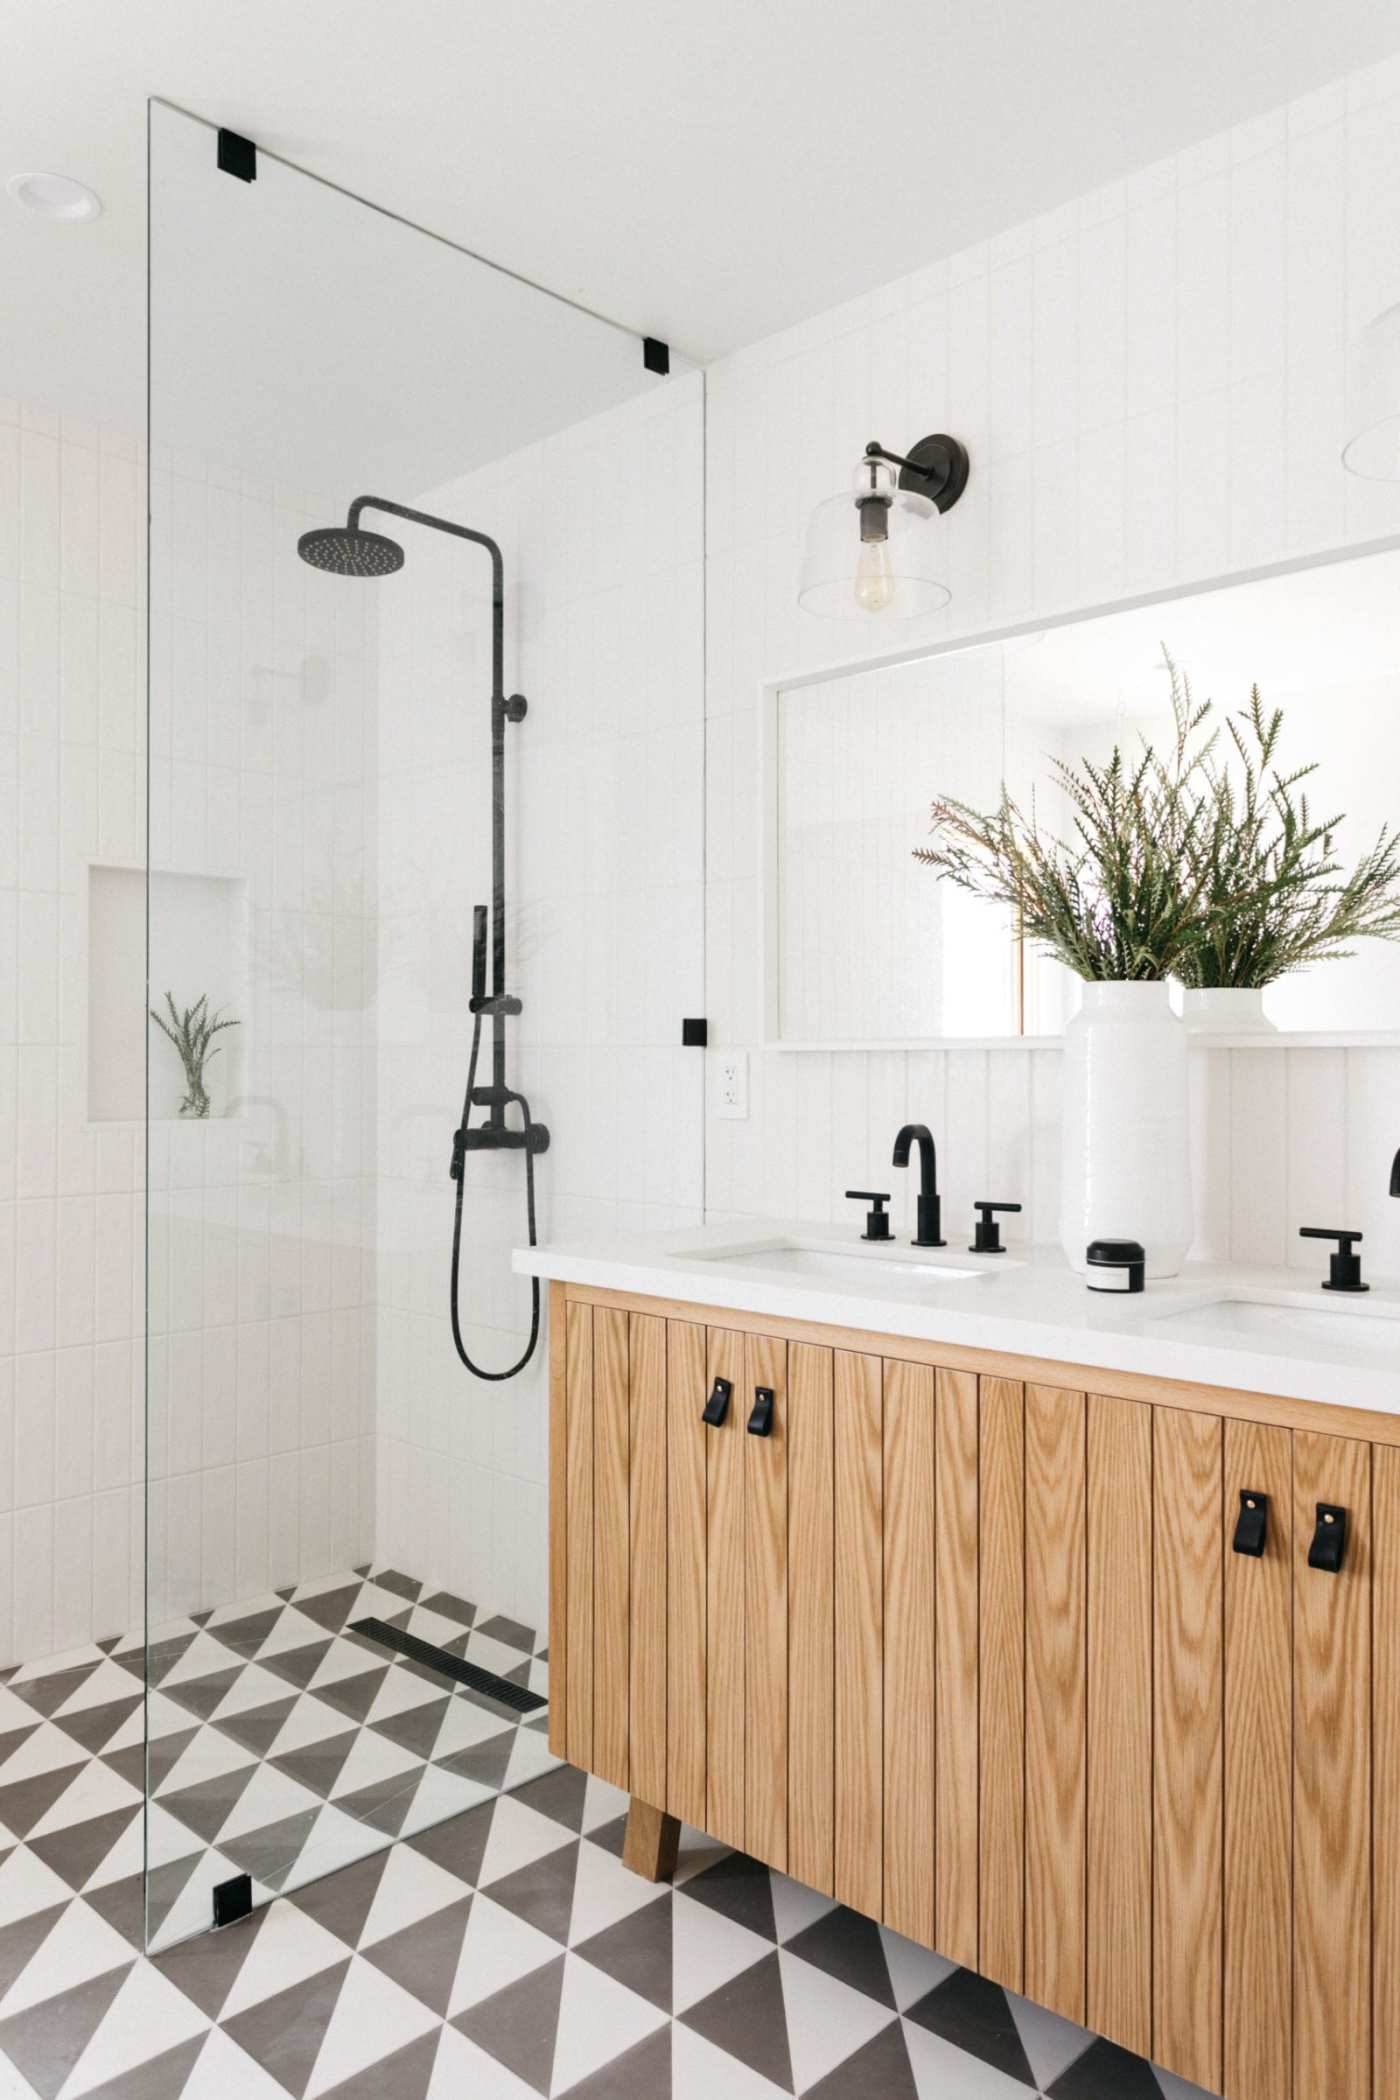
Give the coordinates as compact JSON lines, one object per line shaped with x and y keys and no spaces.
{"x":732,"y":1085}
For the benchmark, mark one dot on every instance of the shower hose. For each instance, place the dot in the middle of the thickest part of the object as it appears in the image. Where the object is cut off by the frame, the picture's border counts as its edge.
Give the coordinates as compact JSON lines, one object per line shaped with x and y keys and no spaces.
{"x":459,"y":1163}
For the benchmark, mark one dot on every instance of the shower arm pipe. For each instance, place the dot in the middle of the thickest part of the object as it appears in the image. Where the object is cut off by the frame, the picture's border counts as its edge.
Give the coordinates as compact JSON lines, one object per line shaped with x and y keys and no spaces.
{"x":496,"y":1114}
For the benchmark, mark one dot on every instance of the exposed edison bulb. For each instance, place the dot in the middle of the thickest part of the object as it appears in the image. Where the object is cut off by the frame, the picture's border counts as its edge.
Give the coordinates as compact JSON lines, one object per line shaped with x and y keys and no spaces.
{"x":875,"y":580}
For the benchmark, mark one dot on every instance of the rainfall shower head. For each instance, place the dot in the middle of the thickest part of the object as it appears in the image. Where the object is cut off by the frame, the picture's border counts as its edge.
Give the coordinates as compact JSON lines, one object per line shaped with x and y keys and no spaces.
{"x":348,"y":550}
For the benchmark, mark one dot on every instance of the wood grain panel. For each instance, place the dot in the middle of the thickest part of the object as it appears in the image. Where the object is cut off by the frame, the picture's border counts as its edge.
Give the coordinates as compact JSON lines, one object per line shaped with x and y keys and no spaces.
{"x":956,"y":1712}
{"x":579,"y":1543}
{"x":1385,"y":1609}
{"x":859,"y":1632}
{"x":648,"y":1587}
{"x":1325,"y":1416}
{"x":1188,"y":1746}
{"x":612,"y":1430}
{"x":558,"y":1522}
{"x":1258,"y":2011}
{"x":766,"y":1608}
{"x":1055,"y":1699}
{"x":686,"y":1454}
{"x":1118,"y":1887}
{"x":725,"y":1584}
{"x":1002,"y":1684}
{"x":811,"y":1620}
{"x":1332,"y":1777}
{"x":910,"y":1431}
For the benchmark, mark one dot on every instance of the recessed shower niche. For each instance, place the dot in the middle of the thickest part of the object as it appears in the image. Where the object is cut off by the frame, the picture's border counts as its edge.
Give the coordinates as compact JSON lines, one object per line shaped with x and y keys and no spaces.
{"x":199,"y":947}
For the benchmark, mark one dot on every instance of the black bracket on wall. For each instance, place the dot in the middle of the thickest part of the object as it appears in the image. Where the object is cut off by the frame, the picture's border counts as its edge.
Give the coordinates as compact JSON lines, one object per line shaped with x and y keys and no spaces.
{"x":695,"y":1034}
{"x":656,"y":355}
{"x":238,"y":156}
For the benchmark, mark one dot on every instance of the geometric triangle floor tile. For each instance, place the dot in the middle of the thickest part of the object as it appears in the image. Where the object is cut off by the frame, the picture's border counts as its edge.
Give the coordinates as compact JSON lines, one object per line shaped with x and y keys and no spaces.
{"x":455,"y":1922}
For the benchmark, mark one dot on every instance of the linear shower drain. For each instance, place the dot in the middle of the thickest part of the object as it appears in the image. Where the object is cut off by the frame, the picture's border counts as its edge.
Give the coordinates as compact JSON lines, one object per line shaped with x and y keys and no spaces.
{"x":469,"y":1674}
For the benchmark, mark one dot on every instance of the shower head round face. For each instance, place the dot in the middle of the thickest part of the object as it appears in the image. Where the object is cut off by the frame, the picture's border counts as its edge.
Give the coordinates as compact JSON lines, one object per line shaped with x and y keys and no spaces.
{"x":348,"y":551}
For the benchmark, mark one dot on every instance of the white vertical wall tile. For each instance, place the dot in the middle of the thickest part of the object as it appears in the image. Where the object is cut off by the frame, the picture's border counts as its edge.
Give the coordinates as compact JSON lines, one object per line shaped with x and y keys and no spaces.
{"x":1196,"y":313}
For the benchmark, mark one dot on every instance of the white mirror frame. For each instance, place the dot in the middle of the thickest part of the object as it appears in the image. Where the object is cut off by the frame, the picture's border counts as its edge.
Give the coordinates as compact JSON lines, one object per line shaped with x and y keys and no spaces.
{"x":770,"y":690}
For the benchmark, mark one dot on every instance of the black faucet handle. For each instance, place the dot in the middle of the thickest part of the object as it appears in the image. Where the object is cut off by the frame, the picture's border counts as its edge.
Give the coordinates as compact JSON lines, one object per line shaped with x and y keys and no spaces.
{"x":986,"y":1236}
{"x":877,"y":1224}
{"x":1345,"y":1265}
{"x":1395,"y":1175}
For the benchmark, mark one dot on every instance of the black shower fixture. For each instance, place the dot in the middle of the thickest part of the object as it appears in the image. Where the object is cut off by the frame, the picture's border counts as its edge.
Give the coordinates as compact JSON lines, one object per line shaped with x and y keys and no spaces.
{"x":344,"y":550}
{"x":352,"y":550}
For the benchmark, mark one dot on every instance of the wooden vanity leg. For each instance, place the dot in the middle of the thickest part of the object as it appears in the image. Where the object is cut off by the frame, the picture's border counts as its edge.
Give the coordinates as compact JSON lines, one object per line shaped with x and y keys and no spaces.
{"x":650,"y":1845}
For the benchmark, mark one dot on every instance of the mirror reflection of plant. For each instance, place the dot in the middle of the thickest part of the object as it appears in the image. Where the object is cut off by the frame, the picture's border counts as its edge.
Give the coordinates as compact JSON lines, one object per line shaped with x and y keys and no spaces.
{"x":1274,"y":895}
{"x":1121,"y":899}
{"x":192,"y":1032}
{"x":1175,"y":866}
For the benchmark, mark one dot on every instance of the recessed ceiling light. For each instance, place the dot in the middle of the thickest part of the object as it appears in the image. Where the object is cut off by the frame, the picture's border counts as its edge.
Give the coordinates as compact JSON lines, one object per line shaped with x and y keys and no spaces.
{"x":55,"y":196}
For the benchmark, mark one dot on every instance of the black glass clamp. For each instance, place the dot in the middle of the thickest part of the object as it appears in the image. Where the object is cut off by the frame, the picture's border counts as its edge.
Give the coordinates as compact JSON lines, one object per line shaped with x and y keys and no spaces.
{"x":1252,"y":1524}
{"x":1329,"y":1543}
{"x":717,"y":1406}
{"x":760,"y":1422}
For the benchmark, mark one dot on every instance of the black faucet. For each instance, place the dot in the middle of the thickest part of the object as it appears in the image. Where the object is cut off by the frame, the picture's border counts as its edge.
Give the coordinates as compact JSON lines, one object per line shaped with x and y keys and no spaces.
{"x":929,"y":1233}
{"x":1395,"y":1175}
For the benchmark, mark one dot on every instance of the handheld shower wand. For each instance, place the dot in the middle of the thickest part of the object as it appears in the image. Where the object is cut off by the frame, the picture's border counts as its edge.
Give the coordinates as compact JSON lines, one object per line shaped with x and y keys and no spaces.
{"x":352,"y":550}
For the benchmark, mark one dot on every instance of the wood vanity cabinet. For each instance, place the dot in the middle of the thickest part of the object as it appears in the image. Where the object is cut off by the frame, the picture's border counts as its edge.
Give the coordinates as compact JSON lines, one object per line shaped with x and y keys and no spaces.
{"x":966,"y":1645}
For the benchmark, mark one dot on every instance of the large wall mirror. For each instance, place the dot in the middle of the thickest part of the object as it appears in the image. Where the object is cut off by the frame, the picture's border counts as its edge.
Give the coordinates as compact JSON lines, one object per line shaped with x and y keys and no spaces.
{"x":868,"y":946}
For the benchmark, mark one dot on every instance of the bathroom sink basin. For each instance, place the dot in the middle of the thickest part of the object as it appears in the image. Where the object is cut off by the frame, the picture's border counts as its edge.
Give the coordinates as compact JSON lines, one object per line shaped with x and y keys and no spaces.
{"x":905,"y":1275}
{"x":1270,"y":1320}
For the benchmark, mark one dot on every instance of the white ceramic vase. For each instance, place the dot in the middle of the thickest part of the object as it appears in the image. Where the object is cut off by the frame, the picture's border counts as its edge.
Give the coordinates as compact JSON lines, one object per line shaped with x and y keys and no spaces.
{"x":1225,"y":1010}
{"x":1125,"y":1144}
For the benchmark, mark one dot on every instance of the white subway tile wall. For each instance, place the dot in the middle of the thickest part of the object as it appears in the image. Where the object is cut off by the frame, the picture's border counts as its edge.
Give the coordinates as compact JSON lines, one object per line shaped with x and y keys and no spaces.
{"x":1151,"y":385}
{"x":262,"y":1271}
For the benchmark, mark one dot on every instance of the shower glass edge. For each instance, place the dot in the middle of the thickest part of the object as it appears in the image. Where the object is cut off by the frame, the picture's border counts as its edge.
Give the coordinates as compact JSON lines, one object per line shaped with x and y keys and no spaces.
{"x":317,"y":760}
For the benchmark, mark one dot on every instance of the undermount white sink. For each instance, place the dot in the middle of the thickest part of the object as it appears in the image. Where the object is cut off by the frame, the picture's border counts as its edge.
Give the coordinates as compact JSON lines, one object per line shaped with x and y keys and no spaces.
{"x":904,"y":1272}
{"x":1352,"y":1326}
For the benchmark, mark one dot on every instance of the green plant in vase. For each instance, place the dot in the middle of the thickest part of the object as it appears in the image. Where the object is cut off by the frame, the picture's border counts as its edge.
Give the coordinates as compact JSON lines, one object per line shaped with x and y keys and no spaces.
{"x":1274,"y":896}
{"x":192,"y":1032}
{"x":1119,"y":900}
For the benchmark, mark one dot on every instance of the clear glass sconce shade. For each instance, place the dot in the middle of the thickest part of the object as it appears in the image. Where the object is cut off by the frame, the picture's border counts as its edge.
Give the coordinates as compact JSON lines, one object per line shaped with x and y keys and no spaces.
{"x":1372,"y":448}
{"x":845,"y":578}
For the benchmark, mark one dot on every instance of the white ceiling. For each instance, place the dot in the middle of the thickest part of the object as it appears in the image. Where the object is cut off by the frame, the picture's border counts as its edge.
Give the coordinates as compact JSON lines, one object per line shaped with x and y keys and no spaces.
{"x":706,"y":172}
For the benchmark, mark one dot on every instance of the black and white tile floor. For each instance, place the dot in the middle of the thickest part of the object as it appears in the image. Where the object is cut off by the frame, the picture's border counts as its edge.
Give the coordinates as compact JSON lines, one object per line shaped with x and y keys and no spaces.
{"x":282,"y":1745}
{"x":504,"y":1953}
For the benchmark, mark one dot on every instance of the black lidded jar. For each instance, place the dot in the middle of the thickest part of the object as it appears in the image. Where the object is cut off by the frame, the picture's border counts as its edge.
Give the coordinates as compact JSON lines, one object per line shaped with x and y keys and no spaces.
{"x":1116,"y":1265}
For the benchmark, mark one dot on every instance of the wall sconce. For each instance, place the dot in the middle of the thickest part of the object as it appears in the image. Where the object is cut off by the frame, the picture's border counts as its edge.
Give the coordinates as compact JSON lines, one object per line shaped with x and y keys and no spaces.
{"x":1372,"y":448}
{"x":873,"y":551}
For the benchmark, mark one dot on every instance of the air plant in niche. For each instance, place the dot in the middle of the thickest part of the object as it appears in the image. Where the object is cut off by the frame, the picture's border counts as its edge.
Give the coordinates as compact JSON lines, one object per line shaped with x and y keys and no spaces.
{"x":193,"y":1032}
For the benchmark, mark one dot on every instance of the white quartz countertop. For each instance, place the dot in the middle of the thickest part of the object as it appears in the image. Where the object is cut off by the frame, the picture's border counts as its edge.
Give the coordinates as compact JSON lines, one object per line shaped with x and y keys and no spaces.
{"x":1259,"y":1330}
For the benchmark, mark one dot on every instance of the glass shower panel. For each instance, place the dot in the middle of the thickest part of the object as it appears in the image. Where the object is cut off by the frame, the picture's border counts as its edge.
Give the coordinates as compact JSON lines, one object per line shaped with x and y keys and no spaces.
{"x":363,"y":850}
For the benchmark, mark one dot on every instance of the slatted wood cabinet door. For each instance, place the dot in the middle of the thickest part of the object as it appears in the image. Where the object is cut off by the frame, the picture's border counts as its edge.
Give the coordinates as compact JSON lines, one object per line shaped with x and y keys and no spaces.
{"x":1332,"y":1776}
{"x":976,"y":1658}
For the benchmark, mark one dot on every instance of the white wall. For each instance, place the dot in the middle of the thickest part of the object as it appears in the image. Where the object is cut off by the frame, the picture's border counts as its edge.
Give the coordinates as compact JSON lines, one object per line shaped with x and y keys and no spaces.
{"x":1150,"y":382}
{"x":601,"y":536}
{"x":261,"y":1222}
